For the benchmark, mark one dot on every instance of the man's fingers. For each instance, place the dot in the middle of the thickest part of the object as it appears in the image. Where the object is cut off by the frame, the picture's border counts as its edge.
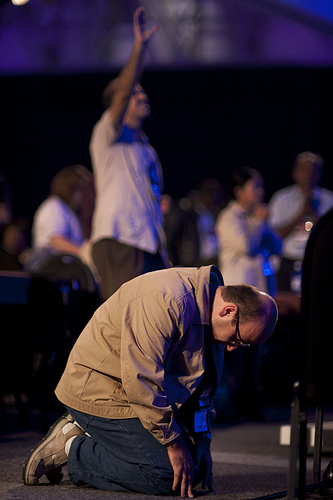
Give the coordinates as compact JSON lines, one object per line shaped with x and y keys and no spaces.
{"x":182,"y":464}
{"x":176,"y":481}
{"x":153,"y":31}
{"x":186,"y":487}
{"x":190,"y":492}
{"x":139,"y":21}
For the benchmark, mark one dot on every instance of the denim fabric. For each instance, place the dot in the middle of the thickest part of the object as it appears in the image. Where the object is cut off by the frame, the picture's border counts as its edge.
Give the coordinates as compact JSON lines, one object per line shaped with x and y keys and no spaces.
{"x":119,"y":455}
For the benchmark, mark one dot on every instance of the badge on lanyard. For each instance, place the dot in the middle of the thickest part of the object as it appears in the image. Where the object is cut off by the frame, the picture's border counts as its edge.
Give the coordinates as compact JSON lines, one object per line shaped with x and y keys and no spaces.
{"x":201,"y":415}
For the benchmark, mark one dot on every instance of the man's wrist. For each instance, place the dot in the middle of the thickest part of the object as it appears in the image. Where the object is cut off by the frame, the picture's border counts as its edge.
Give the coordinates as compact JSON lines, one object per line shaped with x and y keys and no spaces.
{"x":179,"y":441}
{"x":140,"y":46}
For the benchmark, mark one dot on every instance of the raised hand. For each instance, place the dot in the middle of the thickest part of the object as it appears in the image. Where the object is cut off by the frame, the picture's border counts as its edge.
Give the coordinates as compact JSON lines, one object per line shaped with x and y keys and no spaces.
{"x":141,"y":33}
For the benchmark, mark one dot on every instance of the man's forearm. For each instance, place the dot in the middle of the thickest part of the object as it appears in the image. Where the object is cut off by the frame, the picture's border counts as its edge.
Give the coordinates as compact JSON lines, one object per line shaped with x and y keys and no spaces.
{"x":62,"y":244}
{"x":128,"y":77}
{"x":132,"y":71}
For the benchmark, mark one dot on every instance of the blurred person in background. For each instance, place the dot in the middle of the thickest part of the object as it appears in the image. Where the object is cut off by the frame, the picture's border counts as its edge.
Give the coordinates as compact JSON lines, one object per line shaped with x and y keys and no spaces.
{"x":5,"y":200}
{"x":14,"y":239}
{"x":247,"y":246}
{"x":189,"y":224}
{"x":181,"y":230}
{"x":246,"y":240}
{"x":127,"y":226}
{"x":207,"y":201}
{"x":293,"y":212}
{"x":56,"y":225}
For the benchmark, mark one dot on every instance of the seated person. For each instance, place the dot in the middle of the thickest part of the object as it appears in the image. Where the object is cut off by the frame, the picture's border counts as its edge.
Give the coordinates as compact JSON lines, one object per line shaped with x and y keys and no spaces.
{"x":14,"y":240}
{"x":57,"y":225}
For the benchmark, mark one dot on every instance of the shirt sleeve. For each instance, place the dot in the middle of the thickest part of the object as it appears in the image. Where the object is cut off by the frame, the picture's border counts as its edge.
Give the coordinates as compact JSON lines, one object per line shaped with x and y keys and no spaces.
{"x":50,"y":221}
{"x":103,"y":135}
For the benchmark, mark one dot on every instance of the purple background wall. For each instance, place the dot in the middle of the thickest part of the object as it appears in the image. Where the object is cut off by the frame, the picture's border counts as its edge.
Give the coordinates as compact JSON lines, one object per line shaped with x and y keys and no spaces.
{"x":231,"y":82}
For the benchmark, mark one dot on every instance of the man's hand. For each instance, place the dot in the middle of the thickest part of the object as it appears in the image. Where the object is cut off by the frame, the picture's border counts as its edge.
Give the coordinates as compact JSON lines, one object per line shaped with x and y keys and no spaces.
{"x":182,"y":464}
{"x":141,"y":33}
{"x":203,"y":462}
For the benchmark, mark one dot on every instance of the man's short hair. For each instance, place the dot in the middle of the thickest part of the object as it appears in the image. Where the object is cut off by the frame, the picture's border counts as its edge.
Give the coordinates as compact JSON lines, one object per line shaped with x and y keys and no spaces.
{"x":248,"y":299}
{"x":311,"y":157}
{"x":67,"y":181}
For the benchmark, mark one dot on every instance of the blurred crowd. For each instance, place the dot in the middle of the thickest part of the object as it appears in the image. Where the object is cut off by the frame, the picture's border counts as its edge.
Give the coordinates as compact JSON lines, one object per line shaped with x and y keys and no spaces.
{"x":118,"y":224}
{"x":229,"y":225}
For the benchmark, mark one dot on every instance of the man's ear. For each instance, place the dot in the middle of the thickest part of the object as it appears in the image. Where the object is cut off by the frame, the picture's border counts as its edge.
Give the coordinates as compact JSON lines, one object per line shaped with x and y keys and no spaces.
{"x":228,"y":308}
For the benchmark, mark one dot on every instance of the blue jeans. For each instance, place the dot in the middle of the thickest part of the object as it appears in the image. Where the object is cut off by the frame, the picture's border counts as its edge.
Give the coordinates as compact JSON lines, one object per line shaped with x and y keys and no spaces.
{"x":120,"y":455}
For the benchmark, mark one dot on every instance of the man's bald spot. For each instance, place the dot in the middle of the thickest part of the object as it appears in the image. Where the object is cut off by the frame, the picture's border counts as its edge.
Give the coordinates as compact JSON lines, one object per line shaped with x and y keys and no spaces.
{"x":271,"y":316}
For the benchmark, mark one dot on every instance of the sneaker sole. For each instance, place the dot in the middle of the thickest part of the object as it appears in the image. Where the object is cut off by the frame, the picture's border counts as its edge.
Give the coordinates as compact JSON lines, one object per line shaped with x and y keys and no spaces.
{"x":41,"y":444}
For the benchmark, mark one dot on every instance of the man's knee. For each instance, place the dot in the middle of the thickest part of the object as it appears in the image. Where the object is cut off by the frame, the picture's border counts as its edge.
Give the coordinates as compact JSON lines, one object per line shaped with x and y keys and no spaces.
{"x":161,"y":484}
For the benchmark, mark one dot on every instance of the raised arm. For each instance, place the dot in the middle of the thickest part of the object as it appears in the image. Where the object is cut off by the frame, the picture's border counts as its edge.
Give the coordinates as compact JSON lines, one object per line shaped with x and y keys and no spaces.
{"x":131,"y":73}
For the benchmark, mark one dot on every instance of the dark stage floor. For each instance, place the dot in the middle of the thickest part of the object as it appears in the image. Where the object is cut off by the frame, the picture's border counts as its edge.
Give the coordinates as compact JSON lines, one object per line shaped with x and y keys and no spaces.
{"x":249,"y":462}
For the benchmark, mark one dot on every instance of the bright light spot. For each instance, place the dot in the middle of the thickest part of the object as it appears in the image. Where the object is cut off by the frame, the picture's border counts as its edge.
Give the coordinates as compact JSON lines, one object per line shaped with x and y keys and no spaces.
{"x":308,"y":225}
{"x":19,"y":2}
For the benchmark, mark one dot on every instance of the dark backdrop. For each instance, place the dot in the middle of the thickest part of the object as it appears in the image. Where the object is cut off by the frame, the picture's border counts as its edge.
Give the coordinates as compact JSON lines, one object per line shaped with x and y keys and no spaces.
{"x":203,"y":123}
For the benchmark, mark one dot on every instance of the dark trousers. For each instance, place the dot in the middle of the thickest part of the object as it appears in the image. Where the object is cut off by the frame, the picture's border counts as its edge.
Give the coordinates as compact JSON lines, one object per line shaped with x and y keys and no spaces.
{"x":118,"y":455}
{"x":118,"y":263}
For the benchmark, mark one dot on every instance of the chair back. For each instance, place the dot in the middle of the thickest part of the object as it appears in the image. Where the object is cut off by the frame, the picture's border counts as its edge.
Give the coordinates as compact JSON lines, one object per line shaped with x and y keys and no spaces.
{"x":316,"y":342}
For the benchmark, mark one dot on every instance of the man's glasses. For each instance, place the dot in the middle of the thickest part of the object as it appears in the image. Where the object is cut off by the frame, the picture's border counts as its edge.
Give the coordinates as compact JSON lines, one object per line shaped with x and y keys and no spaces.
{"x":237,"y":340}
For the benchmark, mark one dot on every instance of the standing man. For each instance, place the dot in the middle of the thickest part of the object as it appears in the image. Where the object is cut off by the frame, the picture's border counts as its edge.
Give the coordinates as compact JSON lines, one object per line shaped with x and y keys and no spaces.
{"x":127,"y":232}
{"x":140,"y":381}
{"x":294,"y":210}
